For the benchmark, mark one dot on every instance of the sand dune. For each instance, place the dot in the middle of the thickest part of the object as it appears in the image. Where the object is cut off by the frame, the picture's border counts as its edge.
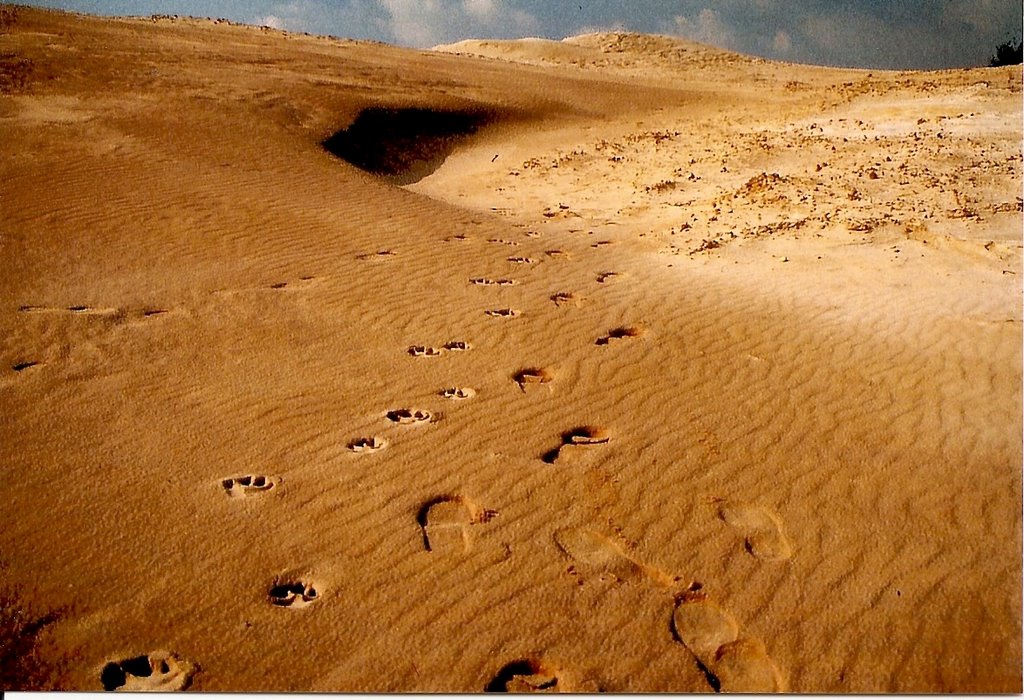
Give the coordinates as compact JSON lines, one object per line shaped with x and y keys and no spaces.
{"x":619,"y":363}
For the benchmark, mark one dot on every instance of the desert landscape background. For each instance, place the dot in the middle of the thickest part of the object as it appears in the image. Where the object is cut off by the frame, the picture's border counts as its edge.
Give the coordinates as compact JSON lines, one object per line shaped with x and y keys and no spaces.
{"x":622,"y":363}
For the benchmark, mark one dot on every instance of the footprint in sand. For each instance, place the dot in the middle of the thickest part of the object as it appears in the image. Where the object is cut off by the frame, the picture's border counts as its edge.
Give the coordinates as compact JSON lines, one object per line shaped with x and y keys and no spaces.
{"x":524,"y":676}
{"x":423,"y":351}
{"x":409,"y":416}
{"x":606,"y":277}
{"x":561,"y":298}
{"x":520,"y":260}
{"x":581,"y":436}
{"x":729,"y":662}
{"x":502,"y":241}
{"x":157,"y":671}
{"x":601,"y":244}
{"x":377,"y":255}
{"x":593,"y":553}
{"x":458,"y":238}
{"x":365,"y":445}
{"x":249,"y":485}
{"x":457,"y":393}
{"x":502,"y":313}
{"x":558,"y":254}
{"x":292,"y":594}
{"x":621,"y":333}
{"x":482,"y":281}
{"x":761,"y":530}
{"x":532,"y":375}
{"x":457,"y":346}
{"x":22,"y":366}
{"x":446,"y":521}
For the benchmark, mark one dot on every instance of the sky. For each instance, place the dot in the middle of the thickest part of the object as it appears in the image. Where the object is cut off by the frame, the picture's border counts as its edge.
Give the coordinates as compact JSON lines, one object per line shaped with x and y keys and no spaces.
{"x":911,"y":34}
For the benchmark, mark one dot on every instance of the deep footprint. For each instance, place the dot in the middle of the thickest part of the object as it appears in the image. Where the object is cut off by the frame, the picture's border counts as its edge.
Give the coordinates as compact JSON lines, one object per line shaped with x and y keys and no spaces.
{"x":457,"y":393}
{"x":524,"y":676}
{"x":370,"y":444}
{"x":596,"y":554}
{"x":762,"y":531}
{"x":423,"y":351}
{"x":445,"y":523}
{"x":580,"y":436}
{"x":249,"y":485}
{"x":409,"y":416}
{"x":293,"y":594}
{"x":157,"y":671}
{"x":621,"y":333}
{"x":532,"y":375}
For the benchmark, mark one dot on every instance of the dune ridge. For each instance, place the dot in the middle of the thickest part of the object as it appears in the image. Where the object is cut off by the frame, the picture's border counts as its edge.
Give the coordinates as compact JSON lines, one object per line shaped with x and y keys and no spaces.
{"x":705,"y":381}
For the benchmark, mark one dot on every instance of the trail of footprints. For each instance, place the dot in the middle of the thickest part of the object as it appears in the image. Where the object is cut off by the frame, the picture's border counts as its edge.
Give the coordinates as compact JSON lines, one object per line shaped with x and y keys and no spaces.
{"x":449,"y":524}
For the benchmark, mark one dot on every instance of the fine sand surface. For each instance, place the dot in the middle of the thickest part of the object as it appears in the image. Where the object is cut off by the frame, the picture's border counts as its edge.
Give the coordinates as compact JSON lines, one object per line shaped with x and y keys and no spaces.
{"x":639,"y":366}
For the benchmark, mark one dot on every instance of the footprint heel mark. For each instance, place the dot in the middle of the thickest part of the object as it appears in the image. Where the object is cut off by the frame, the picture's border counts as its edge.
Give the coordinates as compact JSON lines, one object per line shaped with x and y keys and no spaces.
{"x":457,"y":346}
{"x":156,"y":671}
{"x":366,"y":445}
{"x":743,"y":666}
{"x":524,"y":676}
{"x":621,"y":333}
{"x":533,"y":375}
{"x":593,"y":553}
{"x":580,"y":436}
{"x":293,"y":594}
{"x":423,"y":351}
{"x":761,"y":530}
{"x":249,"y":485}
{"x":410,"y":416}
{"x":445,"y":522}
{"x":502,"y":313}
{"x":457,"y":393}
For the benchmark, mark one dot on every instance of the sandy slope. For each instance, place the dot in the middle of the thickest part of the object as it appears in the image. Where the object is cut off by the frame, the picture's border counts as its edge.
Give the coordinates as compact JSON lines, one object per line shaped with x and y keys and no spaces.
{"x":739,"y":405}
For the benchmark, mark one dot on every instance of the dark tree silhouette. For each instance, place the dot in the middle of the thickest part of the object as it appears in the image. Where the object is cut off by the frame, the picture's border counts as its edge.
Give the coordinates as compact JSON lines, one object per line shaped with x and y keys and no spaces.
{"x":1008,"y":54}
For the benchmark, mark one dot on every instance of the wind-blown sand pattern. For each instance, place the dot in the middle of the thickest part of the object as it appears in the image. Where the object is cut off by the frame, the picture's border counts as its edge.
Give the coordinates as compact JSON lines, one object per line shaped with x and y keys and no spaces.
{"x":742,"y":341}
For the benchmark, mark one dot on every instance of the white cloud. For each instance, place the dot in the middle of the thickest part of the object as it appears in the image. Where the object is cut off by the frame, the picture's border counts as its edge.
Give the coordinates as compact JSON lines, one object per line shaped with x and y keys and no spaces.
{"x":706,"y":27}
{"x":425,"y":23}
{"x":292,"y":16}
{"x":781,"y":43}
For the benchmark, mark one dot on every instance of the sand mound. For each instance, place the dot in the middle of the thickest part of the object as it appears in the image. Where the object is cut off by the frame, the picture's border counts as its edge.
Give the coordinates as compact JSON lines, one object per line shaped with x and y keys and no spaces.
{"x":640,"y":384}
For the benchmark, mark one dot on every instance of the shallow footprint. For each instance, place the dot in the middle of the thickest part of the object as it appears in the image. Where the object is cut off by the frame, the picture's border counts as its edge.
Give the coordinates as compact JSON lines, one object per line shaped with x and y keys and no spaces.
{"x":762,"y":531}
{"x":520,"y":259}
{"x":445,"y":522}
{"x":566,"y":298}
{"x":743,"y":666}
{"x":524,"y":676}
{"x":502,"y":313}
{"x":600,"y":555}
{"x":157,"y":671}
{"x":457,"y":393}
{"x":248,"y":485}
{"x":370,"y":444}
{"x":606,"y":277}
{"x":378,"y":255}
{"x":482,"y":281}
{"x":293,"y":594}
{"x":701,"y":626}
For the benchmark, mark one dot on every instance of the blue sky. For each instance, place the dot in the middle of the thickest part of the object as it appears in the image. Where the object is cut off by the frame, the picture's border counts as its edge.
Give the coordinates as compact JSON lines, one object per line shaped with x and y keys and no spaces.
{"x":863,"y":33}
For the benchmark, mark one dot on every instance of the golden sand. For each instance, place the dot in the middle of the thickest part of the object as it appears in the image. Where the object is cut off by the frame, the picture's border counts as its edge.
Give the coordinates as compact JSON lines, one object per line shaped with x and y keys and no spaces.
{"x":637,"y":366}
